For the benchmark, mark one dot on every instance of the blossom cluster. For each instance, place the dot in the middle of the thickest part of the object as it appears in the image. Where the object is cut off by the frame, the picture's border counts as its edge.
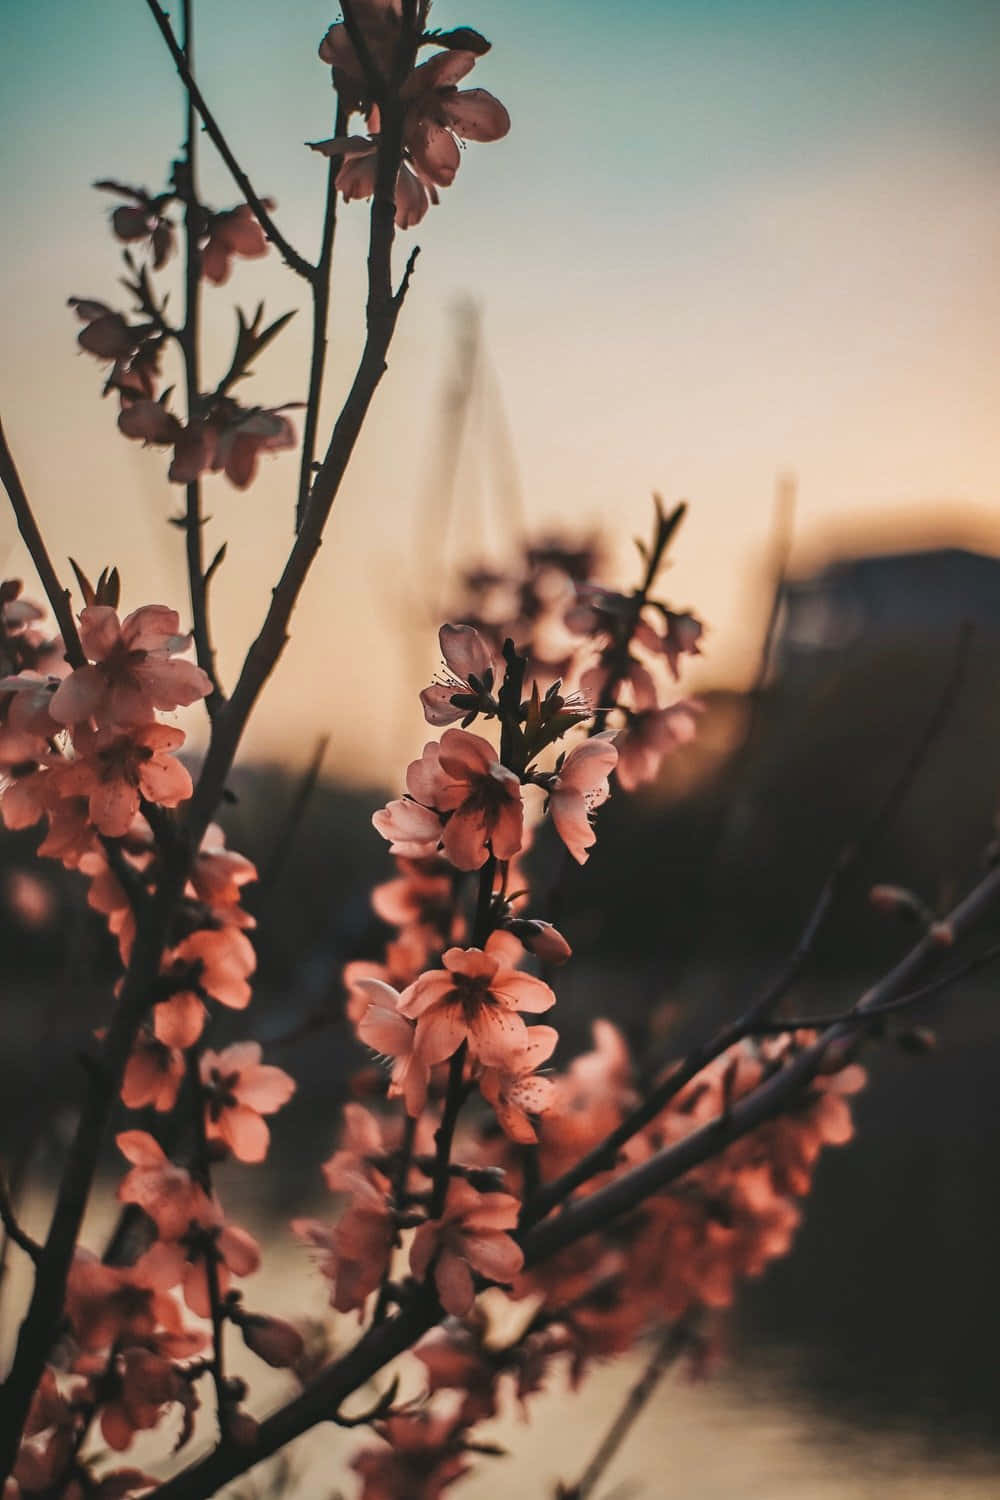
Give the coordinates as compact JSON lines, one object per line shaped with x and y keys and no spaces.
{"x":375,"y":71}
{"x":452,"y":1012}
{"x":220,"y":434}
{"x":84,"y":751}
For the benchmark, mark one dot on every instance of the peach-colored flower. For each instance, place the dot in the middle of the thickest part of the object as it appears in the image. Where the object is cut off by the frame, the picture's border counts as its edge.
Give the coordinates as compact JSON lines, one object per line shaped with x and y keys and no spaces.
{"x":515,"y":1090}
{"x":466,"y":655}
{"x":581,"y":785}
{"x":411,"y":829}
{"x":356,"y":177}
{"x":107,"y":334}
{"x":131,"y":671}
{"x":390,"y":1034}
{"x":231,"y":438}
{"x":212,"y":964}
{"x":116,"y":768}
{"x":423,"y":1459}
{"x":137,"y":1391}
{"x":463,"y":776}
{"x":357,"y":1248}
{"x":152,"y":1076}
{"x":141,"y":218}
{"x":163,"y":1190}
{"x":236,"y":231}
{"x":471,"y":1236}
{"x":650,"y":735}
{"x":437,"y":112}
{"x":475,"y":998}
{"x":239,"y":1089}
{"x":184,"y":1261}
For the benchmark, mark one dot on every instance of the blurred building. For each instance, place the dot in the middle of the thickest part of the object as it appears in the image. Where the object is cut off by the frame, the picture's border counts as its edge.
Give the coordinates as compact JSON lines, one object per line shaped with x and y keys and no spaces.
{"x":880,"y":602}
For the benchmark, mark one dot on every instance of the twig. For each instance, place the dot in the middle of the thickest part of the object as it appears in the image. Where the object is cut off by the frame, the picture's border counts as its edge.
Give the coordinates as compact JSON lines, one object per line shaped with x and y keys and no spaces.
{"x":203,"y":1174}
{"x":57,"y":596}
{"x":291,"y":256}
{"x":763,"y":1103}
{"x":292,"y":823}
{"x":12,"y":1228}
{"x":382,"y":313}
{"x":189,"y":338}
{"x":321,"y":312}
{"x":670,"y":1343}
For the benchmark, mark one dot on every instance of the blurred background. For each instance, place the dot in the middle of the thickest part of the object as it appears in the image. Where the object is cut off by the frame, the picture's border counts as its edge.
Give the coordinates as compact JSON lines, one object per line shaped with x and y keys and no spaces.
{"x":745,"y":255}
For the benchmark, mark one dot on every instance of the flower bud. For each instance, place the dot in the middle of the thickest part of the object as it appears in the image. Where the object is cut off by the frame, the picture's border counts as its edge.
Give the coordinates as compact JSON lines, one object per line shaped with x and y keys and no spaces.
{"x":541,"y":938}
{"x":273,"y":1340}
{"x":463,"y":39}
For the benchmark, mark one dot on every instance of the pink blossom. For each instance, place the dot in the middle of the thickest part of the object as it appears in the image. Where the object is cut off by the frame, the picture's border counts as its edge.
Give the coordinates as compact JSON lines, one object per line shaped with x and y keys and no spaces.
{"x":393,"y":1035}
{"x":515,"y":1090}
{"x":411,"y":829}
{"x":114,"y":769}
{"x":471,"y":1236}
{"x":437,"y":112}
{"x":580,"y":786}
{"x":236,"y":231}
{"x":131,"y":671}
{"x":210,"y":964}
{"x":239,"y":1089}
{"x":466,"y":655}
{"x":650,"y":735}
{"x":475,"y":998}
{"x":462,"y":775}
{"x":356,"y":177}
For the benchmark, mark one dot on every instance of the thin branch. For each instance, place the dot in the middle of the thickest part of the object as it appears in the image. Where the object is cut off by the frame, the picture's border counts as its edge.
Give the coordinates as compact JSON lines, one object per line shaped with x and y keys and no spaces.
{"x":190,"y":337}
{"x":12,"y":1229}
{"x":382,"y":313}
{"x":57,"y":596}
{"x":769,"y":1099}
{"x":291,"y":824}
{"x":203,"y":1175}
{"x":321,"y":313}
{"x":291,"y":256}
{"x":669,"y":1345}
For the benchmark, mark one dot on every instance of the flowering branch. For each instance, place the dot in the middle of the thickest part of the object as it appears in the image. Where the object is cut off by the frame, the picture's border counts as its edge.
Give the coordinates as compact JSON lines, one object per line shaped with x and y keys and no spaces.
{"x":292,"y":258}
{"x":763,"y":1103}
{"x":320,"y":285}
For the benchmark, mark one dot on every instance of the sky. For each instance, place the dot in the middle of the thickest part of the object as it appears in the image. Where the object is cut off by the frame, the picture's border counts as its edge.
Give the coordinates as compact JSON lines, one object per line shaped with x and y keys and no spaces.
{"x":723,"y":240}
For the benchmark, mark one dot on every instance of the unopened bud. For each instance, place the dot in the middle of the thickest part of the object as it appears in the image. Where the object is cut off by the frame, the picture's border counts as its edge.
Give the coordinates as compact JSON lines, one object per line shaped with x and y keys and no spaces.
{"x":273,"y":1340}
{"x":942,"y":933}
{"x":541,"y":938}
{"x":918,"y":1041}
{"x":900,"y":902}
{"x":241,"y":1429}
{"x":463,"y":39}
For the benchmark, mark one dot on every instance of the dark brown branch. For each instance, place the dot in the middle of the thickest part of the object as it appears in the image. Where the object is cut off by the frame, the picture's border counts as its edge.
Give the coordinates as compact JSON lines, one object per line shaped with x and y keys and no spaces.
{"x":290,"y":255}
{"x":272,"y":870}
{"x":769,"y":1099}
{"x":12,"y":1228}
{"x":57,"y":596}
{"x":382,"y":313}
{"x":189,"y":338}
{"x":203,"y":1175}
{"x":321,"y":313}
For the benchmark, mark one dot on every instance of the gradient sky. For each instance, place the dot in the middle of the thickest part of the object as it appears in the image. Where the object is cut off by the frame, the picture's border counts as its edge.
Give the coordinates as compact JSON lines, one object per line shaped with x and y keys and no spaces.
{"x":723,"y":239}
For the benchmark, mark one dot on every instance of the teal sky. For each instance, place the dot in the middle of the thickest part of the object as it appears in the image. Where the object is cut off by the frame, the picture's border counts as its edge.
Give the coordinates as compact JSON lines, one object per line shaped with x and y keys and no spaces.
{"x":722,"y":238}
